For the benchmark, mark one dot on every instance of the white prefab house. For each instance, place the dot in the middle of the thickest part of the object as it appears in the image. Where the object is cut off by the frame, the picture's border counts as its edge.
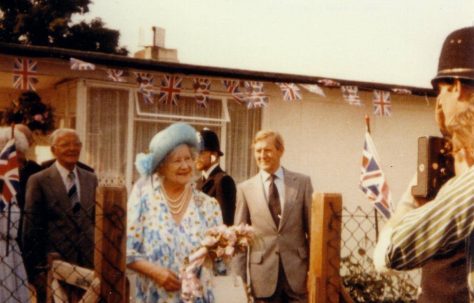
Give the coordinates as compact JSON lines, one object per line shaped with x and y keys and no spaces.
{"x":119,"y":105}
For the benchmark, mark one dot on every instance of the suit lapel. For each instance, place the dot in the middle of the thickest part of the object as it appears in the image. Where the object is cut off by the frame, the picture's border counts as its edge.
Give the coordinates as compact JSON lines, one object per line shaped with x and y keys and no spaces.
{"x":291,"y":191}
{"x":208,"y":184}
{"x":83,"y":186}
{"x":258,"y":194}
{"x":58,"y":187}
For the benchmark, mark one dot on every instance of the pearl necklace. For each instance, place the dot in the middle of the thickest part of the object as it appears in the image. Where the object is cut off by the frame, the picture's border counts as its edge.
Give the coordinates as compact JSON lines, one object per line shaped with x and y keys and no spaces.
{"x":176,"y":205}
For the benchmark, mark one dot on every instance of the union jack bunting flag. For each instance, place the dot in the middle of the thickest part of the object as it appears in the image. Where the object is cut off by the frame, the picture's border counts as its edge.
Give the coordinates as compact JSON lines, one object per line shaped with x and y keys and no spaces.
{"x":24,"y":74}
{"x":9,"y":175}
{"x":116,"y":75}
{"x":233,"y":87}
{"x":145,"y":86}
{"x":290,"y":91}
{"x":201,"y":90}
{"x":372,"y":179}
{"x":144,"y":79}
{"x":170,"y":89}
{"x":314,"y":88}
{"x":255,"y":97}
{"x":329,"y":82}
{"x":147,"y":94}
{"x":382,"y":104}
{"x":351,"y":95}
{"x":76,"y":64}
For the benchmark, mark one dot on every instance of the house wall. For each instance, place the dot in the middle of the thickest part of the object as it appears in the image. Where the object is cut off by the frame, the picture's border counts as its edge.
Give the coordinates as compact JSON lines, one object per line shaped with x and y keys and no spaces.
{"x":324,"y":139}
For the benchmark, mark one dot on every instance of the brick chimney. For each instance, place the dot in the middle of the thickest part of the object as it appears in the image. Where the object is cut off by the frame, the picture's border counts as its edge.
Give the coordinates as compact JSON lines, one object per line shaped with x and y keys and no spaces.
{"x":157,"y":50}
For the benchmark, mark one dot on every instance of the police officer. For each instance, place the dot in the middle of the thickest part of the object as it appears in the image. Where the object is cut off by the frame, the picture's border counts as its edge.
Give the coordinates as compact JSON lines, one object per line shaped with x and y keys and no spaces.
{"x":433,"y":236}
{"x":214,"y":181}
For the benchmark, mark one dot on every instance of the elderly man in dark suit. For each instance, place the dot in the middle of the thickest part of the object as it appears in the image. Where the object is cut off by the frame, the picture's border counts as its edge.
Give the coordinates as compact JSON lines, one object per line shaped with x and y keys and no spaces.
{"x":214,"y":181}
{"x":276,"y":202}
{"x":59,"y":210}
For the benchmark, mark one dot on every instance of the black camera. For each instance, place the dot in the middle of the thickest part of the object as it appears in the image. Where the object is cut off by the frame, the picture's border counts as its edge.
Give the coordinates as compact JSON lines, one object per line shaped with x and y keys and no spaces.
{"x":435,"y":166}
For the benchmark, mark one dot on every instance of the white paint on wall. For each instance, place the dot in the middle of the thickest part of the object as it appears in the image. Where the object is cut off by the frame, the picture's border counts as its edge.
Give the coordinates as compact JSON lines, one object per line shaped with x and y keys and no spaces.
{"x":324,"y":139}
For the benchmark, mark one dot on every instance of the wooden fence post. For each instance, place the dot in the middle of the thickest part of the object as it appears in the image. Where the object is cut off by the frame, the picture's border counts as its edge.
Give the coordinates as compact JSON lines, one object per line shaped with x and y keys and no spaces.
{"x":110,"y":235}
{"x":324,"y":283}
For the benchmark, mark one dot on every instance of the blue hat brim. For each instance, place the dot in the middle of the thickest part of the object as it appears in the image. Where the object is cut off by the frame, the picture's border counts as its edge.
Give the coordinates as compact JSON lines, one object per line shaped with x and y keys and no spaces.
{"x":163,"y":143}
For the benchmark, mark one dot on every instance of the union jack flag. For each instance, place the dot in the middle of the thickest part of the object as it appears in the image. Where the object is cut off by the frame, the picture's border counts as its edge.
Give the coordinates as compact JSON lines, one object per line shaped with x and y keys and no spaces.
{"x":144,"y":79}
{"x":350,"y":94}
{"x":170,"y":89}
{"x":145,"y":86}
{"x":116,"y":75}
{"x":372,"y":179}
{"x":314,"y":88}
{"x":382,"y":103}
{"x":255,"y":97}
{"x":233,"y":88}
{"x":290,"y":91}
{"x":76,"y":64}
{"x":201,"y":90}
{"x":24,"y":74}
{"x":9,"y":174}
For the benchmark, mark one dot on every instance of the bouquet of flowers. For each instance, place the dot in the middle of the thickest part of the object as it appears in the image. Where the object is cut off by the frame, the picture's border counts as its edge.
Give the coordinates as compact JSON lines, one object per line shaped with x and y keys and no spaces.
{"x":224,"y":242}
{"x":220,"y":243}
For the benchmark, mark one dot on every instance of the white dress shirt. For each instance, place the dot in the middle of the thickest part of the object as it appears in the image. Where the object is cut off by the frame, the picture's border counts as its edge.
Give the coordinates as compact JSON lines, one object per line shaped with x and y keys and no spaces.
{"x":64,"y":172}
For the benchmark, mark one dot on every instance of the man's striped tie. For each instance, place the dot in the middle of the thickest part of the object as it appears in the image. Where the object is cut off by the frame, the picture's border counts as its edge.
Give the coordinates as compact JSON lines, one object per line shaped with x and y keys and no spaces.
{"x":73,"y":194}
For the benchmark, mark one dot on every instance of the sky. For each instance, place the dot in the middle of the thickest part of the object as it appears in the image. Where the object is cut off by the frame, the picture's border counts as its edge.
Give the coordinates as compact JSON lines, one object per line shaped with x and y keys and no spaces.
{"x":384,"y":41}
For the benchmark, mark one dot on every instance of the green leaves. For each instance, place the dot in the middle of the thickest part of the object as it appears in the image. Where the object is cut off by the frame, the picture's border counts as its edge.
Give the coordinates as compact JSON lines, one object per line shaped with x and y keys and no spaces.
{"x":49,"y":23}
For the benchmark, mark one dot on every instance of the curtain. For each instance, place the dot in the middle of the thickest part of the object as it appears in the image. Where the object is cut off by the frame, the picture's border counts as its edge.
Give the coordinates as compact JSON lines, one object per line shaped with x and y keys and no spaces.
{"x":107,"y":125}
{"x":245,"y":123}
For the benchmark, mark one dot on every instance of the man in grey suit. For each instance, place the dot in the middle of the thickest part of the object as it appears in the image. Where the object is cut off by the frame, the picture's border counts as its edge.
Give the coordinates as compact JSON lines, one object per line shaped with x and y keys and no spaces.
{"x":59,"y":211}
{"x":276,"y":202}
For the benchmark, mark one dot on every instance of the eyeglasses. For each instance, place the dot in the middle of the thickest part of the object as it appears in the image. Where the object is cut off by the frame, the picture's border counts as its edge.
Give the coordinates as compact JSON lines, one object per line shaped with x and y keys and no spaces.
{"x":69,"y":144}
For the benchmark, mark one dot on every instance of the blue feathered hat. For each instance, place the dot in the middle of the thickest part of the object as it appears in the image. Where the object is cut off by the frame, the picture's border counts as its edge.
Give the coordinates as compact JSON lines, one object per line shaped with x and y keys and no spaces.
{"x":163,"y":143}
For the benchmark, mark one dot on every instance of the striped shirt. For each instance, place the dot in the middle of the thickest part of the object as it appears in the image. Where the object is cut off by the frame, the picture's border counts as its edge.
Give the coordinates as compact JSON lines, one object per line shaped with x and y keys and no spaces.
{"x":436,"y":228}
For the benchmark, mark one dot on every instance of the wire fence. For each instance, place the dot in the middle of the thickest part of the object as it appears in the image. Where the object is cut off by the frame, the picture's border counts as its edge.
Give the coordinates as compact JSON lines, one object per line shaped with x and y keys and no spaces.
{"x":89,"y":246}
{"x":71,"y":254}
{"x":358,"y":239}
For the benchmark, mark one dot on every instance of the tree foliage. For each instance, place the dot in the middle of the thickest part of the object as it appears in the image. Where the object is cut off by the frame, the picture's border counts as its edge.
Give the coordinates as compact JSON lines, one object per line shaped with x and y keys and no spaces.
{"x":49,"y":23}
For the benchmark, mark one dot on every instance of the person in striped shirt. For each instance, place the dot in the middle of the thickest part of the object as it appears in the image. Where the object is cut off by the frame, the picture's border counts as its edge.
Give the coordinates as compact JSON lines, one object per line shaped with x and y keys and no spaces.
{"x":438,"y":230}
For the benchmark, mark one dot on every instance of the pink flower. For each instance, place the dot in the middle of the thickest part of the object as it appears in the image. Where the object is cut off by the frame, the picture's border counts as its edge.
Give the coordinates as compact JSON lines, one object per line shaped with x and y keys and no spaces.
{"x":229,"y":250}
{"x":210,"y":240}
{"x":38,"y":117}
{"x":220,"y":251}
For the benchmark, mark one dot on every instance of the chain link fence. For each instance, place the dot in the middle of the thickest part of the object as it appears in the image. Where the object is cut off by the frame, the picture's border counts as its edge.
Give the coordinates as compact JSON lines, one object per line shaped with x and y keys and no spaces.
{"x":75,"y":254}
{"x":363,"y":284}
{"x":89,"y":244}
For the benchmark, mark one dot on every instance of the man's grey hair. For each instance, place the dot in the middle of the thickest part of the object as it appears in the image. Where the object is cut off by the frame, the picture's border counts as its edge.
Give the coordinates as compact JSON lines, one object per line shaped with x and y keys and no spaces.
{"x":58,"y":133}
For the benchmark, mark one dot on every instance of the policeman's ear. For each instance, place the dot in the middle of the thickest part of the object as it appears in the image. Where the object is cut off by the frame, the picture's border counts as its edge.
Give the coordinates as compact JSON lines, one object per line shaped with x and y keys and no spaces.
{"x":457,"y":88}
{"x":213,"y":158}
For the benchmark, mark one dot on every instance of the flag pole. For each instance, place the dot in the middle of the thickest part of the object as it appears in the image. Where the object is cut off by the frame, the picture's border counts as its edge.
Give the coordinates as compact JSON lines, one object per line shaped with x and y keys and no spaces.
{"x":367,"y":126}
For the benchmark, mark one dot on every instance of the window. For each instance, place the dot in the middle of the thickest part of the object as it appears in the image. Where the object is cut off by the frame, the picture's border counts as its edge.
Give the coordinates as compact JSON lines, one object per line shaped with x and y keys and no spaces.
{"x":106,"y":134}
{"x":120,"y":124}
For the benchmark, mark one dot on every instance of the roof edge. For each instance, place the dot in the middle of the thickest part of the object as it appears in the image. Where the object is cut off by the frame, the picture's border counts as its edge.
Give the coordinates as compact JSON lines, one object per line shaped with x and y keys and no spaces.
{"x":190,"y":69}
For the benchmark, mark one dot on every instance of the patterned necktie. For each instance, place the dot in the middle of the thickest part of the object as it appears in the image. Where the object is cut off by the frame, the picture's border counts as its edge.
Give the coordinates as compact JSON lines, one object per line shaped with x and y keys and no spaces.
{"x":274,"y":201}
{"x":72,"y":193}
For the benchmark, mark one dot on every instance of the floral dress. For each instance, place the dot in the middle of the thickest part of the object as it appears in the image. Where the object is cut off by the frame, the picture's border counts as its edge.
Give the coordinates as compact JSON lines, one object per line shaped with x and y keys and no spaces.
{"x":153,"y":235}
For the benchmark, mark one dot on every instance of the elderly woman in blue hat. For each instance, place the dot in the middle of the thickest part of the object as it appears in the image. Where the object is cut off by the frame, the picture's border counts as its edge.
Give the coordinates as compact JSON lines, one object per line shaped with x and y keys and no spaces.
{"x":167,"y":217}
